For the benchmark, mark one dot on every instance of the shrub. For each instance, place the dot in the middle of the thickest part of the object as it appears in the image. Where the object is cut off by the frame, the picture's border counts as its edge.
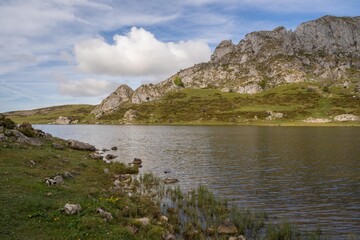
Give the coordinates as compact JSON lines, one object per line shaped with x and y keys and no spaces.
{"x":7,"y":123}
{"x":177,"y":81}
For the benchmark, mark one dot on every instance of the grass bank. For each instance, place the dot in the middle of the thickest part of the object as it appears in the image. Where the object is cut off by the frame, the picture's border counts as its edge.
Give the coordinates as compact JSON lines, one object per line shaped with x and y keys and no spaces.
{"x":141,"y":206}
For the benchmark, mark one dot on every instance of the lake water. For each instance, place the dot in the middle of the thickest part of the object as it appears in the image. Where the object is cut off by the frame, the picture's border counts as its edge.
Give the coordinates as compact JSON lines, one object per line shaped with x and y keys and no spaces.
{"x":310,"y":175}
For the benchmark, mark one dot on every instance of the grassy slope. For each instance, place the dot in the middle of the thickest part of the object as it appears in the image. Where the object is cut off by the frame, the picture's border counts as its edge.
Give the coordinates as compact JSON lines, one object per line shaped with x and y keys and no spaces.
{"x":210,"y":106}
{"x":50,"y":114}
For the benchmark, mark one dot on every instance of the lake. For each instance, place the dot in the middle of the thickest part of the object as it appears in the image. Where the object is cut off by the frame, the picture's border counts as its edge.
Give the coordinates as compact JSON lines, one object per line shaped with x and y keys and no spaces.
{"x":309,"y":175}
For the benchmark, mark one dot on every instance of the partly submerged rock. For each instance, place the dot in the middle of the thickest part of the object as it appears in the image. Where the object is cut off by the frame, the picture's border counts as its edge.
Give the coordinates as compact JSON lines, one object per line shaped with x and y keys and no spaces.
{"x":110,"y":156}
{"x":170,"y":180}
{"x":80,"y":145}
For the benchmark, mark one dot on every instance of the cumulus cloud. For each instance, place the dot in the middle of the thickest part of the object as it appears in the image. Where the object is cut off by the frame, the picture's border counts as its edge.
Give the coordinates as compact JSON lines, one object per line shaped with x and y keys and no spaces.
{"x":86,"y":87}
{"x":138,"y":53}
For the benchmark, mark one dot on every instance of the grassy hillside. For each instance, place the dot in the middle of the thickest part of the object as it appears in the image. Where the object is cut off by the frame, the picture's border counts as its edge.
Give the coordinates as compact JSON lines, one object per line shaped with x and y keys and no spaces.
{"x":210,"y":106}
{"x":297,"y":102}
{"x":50,"y":114}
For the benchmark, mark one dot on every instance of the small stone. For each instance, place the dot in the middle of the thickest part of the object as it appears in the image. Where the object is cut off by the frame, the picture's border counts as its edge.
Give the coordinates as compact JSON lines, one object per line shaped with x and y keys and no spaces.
{"x":114,"y":148}
{"x":144,"y":221}
{"x":72,"y":208}
{"x":105,"y":150}
{"x":164,"y":219}
{"x":96,"y":156}
{"x":104,"y":214}
{"x":50,"y":181}
{"x":33,"y":163}
{"x":106,"y":171}
{"x":48,"y":194}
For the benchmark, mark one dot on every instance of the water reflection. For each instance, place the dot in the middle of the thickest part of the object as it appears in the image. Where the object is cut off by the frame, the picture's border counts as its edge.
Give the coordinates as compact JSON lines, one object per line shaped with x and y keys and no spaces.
{"x":309,"y":175}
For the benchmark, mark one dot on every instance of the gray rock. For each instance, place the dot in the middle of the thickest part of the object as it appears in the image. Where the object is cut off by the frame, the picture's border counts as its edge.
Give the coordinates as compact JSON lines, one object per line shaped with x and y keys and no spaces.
{"x":147,"y":93}
{"x":59,"y":180}
{"x":2,"y":137}
{"x":62,"y":120}
{"x":317,"y":120}
{"x":130,"y":116}
{"x":58,"y":146}
{"x":71,"y":209}
{"x":121,"y":95}
{"x":114,"y":148}
{"x":347,"y":118}
{"x":67,"y":175}
{"x":137,"y":161}
{"x":110,"y":156}
{"x":107,"y":216}
{"x":80,"y":145}
{"x":96,"y":156}
{"x":225,"y":47}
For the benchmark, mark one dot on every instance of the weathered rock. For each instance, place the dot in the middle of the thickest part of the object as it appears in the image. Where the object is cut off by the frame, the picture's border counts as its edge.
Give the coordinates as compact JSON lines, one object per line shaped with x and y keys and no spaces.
{"x":317,"y":120}
{"x":164,"y":219}
{"x":347,"y":118}
{"x":67,"y":175}
{"x":50,"y":181}
{"x":225,"y":47}
{"x":107,"y":216}
{"x":170,"y":180}
{"x":113,"y":101}
{"x":106,"y":171}
{"x":137,"y":161}
{"x":58,"y":146}
{"x":227,"y":227}
{"x":274,"y":115}
{"x":71,"y":209}
{"x":114,"y":148}
{"x":32,"y":163}
{"x":130,"y":116}
{"x":143,"y":221}
{"x":110,"y":156}
{"x":96,"y":156}
{"x":146,"y":93}
{"x":2,"y":137}
{"x":62,"y":120}
{"x":105,"y":150}
{"x":59,"y":180}
{"x":80,"y":145}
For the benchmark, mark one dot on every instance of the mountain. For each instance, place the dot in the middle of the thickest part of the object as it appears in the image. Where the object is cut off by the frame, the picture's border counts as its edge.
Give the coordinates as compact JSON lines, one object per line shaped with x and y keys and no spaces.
{"x":325,"y":50}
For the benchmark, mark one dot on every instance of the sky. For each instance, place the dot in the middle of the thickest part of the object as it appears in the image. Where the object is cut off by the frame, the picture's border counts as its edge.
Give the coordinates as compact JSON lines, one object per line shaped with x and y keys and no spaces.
{"x":55,"y":52}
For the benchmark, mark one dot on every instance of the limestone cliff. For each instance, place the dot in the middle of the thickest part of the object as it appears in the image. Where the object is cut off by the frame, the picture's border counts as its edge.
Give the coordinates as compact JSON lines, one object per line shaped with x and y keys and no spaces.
{"x":326,"y":49}
{"x":122,"y":94}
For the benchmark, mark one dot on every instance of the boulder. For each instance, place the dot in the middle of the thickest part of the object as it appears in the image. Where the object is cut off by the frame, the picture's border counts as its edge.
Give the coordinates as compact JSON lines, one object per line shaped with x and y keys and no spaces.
{"x":110,"y":156}
{"x":170,"y":180}
{"x":227,"y":227}
{"x":80,"y":145}
{"x":58,"y":146}
{"x":107,"y":216}
{"x":62,"y":120}
{"x":137,"y":161}
{"x":71,"y":209}
{"x":347,"y":118}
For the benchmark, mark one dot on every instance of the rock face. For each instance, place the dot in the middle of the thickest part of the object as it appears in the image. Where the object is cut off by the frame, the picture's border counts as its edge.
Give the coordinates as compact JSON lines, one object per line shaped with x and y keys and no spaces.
{"x":62,"y":120}
{"x":325,"y":49}
{"x":114,"y":100}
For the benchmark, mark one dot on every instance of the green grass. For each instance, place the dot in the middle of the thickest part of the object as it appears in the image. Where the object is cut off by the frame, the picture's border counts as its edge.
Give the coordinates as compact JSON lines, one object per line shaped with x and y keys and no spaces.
{"x":80,"y":112}
{"x":213,"y":107}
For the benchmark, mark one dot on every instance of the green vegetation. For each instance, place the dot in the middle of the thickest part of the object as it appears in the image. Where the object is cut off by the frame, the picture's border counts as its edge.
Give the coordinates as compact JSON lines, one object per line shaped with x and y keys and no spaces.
{"x":211,"y":106}
{"x":297,"y":101}
{"x":50,"y":114}
{"x":178,"y":82}
{"x":32,"y":209}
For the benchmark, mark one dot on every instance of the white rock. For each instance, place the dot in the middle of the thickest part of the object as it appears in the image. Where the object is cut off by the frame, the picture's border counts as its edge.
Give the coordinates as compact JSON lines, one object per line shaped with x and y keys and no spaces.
{"x":347,"y":118}
{"x":72,"y":208}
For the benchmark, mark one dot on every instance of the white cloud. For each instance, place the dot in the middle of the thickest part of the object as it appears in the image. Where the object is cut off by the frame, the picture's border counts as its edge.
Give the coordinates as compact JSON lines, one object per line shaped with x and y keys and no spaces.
{"x":138,"y":53}
{"x":86,"y":87}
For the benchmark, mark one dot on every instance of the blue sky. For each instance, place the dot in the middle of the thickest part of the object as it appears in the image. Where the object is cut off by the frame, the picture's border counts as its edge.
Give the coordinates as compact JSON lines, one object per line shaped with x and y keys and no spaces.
{"x":58,"y":52}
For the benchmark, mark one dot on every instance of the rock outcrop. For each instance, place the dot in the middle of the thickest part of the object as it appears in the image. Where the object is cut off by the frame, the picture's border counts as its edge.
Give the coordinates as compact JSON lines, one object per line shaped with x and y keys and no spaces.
{"x":113,"y":101}
{"x":325,"y":49}
{"x":63,"y":120}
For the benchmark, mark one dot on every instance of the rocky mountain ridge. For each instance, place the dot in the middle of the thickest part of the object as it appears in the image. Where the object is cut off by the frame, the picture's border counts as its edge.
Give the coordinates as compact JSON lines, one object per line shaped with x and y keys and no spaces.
{"x":325,"y":50}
